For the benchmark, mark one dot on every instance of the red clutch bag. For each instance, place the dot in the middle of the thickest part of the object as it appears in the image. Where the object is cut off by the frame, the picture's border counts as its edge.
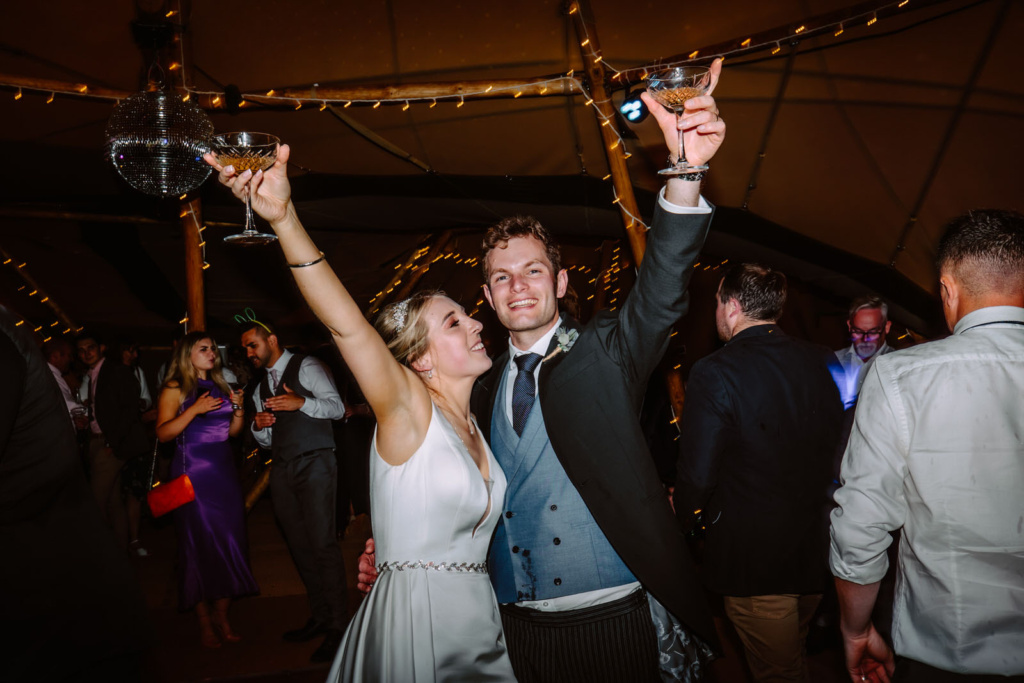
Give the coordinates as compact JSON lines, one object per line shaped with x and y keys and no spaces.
{"x":170,"y":496}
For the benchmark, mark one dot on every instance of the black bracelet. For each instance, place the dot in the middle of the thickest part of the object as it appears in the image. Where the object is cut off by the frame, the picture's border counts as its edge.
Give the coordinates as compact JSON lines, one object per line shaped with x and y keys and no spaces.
{"x":308,"y":263}
{"x":691,"y":177}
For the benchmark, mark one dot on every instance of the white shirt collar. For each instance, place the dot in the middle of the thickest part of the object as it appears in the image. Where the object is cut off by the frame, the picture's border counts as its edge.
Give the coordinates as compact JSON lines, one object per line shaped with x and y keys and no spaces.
{"x":282,"y":362}
{"x":991,"y":314}
{"x":540,"y":346}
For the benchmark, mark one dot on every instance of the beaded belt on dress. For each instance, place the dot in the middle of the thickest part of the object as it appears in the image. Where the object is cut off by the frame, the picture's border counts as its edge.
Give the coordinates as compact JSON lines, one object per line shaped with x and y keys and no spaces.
{"x":479,"y":567}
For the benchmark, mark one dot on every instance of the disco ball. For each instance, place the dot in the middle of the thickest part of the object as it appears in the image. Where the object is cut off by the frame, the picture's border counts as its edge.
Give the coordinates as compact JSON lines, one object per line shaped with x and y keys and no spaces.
{"x":156,"y":141}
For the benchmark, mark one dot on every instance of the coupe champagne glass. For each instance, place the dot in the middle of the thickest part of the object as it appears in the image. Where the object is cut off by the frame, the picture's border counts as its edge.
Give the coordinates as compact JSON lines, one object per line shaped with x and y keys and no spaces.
{"x":672,"y":88}
{"x":247,"y":152}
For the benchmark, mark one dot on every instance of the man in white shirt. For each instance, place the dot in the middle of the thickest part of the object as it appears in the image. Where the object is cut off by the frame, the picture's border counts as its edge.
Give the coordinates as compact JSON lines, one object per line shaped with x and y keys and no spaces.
{"x":868,"y":324}
{"x":59,"y":353}
{"x":937,"y":451}
{"x":295,"y":401}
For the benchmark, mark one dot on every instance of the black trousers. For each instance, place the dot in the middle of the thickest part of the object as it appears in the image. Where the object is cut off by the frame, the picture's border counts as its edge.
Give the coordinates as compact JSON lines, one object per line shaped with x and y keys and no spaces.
{"x":913,"y":671}
{"x":304,"y":490}
{"x":614,"y":642}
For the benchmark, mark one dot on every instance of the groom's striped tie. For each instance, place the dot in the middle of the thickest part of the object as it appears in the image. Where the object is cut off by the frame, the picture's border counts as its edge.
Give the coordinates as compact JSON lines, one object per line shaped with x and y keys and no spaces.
{"x":523,"y":390}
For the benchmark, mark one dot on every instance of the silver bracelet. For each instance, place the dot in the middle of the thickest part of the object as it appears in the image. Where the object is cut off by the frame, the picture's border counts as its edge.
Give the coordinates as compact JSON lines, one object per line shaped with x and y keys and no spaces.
{"x":308,"y":263}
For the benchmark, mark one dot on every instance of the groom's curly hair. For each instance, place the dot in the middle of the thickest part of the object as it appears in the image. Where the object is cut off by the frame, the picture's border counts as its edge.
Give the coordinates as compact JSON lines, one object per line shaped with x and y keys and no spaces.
{"x":520,"y":226}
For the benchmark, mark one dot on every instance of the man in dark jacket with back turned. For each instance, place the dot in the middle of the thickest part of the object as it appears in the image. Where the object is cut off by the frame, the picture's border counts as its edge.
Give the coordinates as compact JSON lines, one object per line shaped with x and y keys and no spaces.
{"x":70,"y":606}
{"x":759,"y":428}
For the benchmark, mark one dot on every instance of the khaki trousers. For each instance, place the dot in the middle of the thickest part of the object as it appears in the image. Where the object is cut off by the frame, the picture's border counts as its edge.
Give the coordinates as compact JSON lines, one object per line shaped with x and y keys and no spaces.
{"x":105,"y":479}
{"x":773,"y":629}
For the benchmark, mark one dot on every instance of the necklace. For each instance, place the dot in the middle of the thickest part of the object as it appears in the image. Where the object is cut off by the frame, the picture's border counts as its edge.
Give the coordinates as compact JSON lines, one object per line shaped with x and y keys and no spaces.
{"x":445,"y":407}
{"x":451,"y":419}
{"x":450,"y":415}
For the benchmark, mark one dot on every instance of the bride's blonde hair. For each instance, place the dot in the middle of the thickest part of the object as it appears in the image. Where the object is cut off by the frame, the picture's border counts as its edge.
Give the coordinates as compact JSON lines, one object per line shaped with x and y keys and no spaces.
{"x":183,"y":373}
{"x":404,"y":329}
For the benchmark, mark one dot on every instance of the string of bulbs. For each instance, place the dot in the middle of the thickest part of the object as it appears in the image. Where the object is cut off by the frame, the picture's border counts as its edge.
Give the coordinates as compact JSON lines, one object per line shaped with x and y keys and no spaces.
{"x":44,"y":330}
{"x":567,"y":82}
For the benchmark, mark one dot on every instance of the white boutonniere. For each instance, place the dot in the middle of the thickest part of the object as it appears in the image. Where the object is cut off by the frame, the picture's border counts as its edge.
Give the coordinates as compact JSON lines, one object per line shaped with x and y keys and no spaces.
{"x":565,"y":337}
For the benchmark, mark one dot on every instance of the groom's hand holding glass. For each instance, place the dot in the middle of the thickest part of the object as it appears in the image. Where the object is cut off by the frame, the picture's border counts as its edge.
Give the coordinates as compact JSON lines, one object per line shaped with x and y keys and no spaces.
{"x":703,"y":133}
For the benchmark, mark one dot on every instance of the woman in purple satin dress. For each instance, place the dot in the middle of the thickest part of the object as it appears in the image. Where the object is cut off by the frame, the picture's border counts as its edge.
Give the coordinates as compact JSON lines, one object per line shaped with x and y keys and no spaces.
{"x":197,"y":408}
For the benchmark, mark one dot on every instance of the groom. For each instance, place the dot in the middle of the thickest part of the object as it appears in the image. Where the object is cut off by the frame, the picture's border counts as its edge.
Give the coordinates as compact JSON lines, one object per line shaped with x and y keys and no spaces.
{"x":588,"y":555}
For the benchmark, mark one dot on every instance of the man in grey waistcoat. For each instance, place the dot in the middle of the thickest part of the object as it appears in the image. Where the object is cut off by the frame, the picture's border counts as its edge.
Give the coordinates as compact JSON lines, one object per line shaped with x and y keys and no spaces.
{"x":588,"y":564}
{"x":295,"y":401}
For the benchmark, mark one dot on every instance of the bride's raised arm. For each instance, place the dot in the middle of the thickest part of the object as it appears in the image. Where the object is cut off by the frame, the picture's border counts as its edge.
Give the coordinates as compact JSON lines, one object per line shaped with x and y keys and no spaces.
{"x":392,"y":390}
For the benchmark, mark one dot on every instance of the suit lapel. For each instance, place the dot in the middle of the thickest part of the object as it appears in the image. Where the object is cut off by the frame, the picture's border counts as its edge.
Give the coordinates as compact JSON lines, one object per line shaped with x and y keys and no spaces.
{"x":487,"y":388}
{"x":552,"y":362}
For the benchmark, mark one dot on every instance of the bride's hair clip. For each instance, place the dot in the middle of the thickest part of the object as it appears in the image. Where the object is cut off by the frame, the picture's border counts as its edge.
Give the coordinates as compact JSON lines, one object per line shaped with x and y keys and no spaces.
{"x":249,"y":316}
{"x":399,"y":314}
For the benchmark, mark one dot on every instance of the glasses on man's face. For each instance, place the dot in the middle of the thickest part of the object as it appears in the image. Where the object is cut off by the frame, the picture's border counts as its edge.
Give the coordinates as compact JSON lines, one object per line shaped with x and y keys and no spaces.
{"x":867,"y":334}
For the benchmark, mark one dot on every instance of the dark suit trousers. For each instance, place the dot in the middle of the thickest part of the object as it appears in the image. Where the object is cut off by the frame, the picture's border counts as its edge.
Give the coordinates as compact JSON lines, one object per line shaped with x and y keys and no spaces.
{"x":610,"y":643}
{"x":304,"y":491}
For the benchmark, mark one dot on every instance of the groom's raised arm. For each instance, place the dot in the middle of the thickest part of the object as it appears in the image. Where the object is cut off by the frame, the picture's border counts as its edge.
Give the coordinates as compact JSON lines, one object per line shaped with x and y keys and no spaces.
{"x":680,"y":225}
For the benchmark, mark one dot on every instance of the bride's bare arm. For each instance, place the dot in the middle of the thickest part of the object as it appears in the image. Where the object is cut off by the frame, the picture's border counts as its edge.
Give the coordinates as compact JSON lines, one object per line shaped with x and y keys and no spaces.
{"x":394,"y":392}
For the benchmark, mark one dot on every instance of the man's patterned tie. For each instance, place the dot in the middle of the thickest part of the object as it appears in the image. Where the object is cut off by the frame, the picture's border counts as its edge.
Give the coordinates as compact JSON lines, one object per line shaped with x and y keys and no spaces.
{"x":523,"y":390}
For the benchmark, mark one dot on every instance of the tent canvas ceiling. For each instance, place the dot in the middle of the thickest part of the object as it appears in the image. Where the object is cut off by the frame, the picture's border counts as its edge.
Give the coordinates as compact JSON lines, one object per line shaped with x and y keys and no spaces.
{"x":915,"y":115}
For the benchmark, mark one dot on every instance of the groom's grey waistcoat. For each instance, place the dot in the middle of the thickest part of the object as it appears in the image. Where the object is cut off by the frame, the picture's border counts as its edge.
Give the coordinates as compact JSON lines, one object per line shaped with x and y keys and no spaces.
{"x":547,"y":543}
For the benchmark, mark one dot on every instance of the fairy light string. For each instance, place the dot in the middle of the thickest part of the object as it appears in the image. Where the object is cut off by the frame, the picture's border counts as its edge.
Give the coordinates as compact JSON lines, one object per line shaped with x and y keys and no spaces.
{"x":864,"y":14}
{"x":62,"y":324}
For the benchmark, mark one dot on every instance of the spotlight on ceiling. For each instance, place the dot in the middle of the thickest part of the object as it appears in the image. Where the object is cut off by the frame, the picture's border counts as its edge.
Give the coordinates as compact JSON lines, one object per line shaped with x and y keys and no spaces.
{"x":633,"y":108}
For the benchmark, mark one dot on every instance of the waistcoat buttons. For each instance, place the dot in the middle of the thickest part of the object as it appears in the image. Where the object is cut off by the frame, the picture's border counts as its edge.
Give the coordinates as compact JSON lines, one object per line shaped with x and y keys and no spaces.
{"x":557,"y":541}
{"x":558,"y":582}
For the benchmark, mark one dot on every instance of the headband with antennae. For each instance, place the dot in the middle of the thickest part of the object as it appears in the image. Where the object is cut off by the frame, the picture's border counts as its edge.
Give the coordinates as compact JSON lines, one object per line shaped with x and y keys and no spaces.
{"x":250,"y":317}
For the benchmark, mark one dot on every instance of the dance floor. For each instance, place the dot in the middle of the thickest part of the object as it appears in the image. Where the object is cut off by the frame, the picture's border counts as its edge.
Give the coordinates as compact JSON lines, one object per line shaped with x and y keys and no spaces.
{"x":262,"y":657}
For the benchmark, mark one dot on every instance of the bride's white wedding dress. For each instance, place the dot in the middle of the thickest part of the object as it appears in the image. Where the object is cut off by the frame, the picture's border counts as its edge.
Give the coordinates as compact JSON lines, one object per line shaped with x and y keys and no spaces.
{"x":431,"y":615}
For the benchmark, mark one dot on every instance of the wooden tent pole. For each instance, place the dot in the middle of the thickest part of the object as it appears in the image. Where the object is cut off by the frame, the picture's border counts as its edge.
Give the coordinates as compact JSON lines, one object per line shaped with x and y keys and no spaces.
{"x":394,"y":94}
{"x":191,"y":220}
{"x":605,"y":113}
{"x":586,"y":31}
{"x":191,"y":213}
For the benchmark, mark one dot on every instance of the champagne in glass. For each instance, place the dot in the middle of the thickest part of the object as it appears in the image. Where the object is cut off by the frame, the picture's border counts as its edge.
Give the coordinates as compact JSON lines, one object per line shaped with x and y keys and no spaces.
{"x":247,"y":152}
{"x":671,"y":89}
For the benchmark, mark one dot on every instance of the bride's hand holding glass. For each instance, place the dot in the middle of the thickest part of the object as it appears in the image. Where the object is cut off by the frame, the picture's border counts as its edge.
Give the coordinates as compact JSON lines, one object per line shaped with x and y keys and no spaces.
{"x":271,"y":190}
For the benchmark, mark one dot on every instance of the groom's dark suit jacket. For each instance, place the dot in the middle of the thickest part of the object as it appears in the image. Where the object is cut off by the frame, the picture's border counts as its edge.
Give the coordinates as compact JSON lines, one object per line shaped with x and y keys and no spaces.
{"x":591,"y":398}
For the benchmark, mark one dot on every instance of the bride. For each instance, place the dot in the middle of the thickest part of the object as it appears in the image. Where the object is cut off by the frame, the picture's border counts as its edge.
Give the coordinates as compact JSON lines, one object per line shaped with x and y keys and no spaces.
{"x":436,"y":490}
